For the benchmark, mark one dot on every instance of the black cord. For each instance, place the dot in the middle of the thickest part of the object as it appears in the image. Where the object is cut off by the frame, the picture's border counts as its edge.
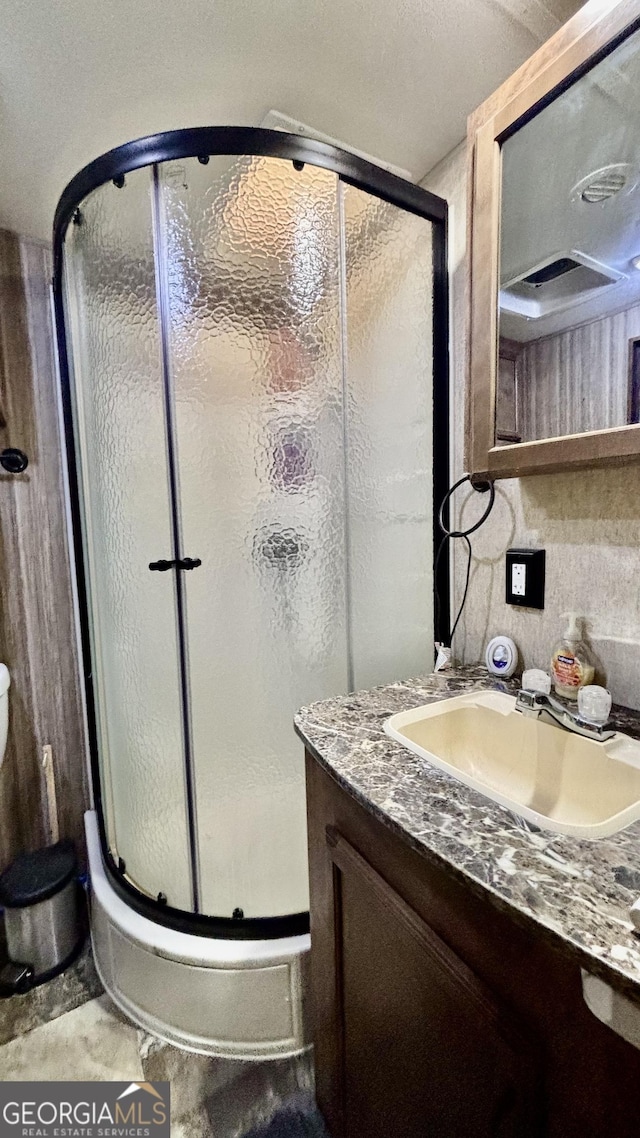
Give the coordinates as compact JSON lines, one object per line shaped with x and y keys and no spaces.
{"x":482,"y":488}
{"x":449,"y":534}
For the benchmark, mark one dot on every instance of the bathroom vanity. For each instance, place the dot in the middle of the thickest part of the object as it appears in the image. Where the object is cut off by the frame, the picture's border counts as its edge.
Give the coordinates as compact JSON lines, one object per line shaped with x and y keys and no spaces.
{"x":454,"y":946}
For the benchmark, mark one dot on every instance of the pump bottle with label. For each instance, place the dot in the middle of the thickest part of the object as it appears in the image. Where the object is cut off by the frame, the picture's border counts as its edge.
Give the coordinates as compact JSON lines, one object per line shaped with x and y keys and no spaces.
{"x":571,"y":661}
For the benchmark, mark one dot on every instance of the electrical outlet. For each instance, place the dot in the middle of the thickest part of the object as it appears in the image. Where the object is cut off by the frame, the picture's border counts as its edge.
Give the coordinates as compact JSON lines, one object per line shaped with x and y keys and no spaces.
{"x":525,"y":577}
{"x":518,"y":579}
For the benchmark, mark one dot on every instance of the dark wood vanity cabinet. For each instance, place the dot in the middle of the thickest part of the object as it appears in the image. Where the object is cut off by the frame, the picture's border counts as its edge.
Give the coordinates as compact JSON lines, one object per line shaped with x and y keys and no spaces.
{"x":425,"y":1047}
{"x":437,"y":1015}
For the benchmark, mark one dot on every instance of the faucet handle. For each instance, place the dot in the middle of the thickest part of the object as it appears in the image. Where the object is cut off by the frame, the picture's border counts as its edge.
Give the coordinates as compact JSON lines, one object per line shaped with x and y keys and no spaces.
{"x":534,"y":679}
{"x":594,"y":704}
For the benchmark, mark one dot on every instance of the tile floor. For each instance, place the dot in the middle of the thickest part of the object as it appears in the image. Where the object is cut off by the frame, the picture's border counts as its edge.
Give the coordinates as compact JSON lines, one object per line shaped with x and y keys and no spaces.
{"x":215,"y":1097}
{"x":74,"y":987}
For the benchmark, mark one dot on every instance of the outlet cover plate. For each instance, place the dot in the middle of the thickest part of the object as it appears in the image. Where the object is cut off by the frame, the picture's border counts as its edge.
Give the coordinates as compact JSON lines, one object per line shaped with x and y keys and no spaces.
{"x":525,"y":578}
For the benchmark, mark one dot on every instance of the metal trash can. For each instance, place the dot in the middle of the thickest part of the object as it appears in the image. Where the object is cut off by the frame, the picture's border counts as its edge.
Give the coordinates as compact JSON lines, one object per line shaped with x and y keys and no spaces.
{"x":44,"y":932}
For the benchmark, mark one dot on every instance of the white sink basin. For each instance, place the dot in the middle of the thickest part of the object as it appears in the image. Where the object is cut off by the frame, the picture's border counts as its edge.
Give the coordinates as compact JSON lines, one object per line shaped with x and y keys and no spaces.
{"x":554,"y":778}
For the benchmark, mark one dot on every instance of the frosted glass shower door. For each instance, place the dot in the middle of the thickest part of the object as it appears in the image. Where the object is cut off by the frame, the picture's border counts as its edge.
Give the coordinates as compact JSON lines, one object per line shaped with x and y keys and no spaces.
{"x":389,"y":437}
{"x":120,"y":439}
{"x":253,"y":285}
{"x":251,"y":347}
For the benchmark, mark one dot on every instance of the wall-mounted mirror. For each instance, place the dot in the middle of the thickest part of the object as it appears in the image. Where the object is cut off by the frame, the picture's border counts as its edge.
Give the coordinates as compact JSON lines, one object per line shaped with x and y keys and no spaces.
{"x":555,"y":350}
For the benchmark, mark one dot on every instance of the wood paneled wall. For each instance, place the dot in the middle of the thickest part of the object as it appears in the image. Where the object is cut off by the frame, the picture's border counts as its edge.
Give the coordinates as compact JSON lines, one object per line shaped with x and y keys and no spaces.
{"x":37,"y":632}
{"x":577,"y":380}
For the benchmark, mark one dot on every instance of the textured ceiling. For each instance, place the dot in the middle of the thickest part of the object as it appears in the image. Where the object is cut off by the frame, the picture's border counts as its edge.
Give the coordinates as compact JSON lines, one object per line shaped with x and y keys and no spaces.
{"x":396,"y":79}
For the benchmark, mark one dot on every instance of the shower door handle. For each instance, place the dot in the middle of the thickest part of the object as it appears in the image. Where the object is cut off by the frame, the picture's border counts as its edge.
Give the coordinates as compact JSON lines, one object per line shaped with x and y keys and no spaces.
{"x":161,"y":566}
{"x":184,"y":563}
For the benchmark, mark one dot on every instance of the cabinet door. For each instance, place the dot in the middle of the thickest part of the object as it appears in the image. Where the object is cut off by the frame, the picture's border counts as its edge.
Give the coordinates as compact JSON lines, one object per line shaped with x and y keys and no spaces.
{"x":424,"y":1048}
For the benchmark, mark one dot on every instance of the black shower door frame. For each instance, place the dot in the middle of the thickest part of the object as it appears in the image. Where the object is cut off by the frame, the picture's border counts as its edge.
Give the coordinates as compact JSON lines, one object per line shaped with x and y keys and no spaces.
{"x":203,"y":143}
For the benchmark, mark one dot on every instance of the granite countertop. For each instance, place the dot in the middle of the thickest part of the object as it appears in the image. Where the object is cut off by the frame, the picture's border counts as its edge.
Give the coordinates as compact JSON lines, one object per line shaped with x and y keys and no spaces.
{"x":574,"y":891}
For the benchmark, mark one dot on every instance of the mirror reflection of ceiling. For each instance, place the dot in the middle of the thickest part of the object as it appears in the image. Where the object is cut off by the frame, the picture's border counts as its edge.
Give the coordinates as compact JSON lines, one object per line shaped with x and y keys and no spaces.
{"x":396,"y":80}
{"x":571,"y":204}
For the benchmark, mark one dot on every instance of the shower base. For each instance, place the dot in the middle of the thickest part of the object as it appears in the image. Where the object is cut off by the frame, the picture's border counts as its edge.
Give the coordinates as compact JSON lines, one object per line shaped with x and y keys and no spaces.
{"x":229,"y":998}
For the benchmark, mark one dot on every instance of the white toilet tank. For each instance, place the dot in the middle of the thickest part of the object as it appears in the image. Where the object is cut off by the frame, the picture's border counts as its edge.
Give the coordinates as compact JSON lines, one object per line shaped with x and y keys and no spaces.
{"x":5,"y":680}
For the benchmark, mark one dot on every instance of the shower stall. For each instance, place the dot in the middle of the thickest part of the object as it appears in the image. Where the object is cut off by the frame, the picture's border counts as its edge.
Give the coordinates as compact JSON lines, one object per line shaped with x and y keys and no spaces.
{"x":252,"y":332}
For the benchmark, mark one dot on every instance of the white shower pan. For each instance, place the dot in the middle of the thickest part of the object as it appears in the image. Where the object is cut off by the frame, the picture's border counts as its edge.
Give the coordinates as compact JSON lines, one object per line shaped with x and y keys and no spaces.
{"x":230,"y":998}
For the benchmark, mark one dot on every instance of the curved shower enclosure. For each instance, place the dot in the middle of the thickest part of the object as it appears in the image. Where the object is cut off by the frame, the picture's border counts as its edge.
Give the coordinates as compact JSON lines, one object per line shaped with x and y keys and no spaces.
{"x":252,"y":334}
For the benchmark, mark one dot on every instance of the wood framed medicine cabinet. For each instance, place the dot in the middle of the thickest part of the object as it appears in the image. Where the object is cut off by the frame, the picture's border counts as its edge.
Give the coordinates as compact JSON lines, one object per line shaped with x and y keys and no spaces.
{"x":585,"y":41}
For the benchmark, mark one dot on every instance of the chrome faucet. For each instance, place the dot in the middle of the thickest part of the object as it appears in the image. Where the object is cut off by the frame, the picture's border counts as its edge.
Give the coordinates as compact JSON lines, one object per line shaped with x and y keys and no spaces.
{"x":536,"y":703}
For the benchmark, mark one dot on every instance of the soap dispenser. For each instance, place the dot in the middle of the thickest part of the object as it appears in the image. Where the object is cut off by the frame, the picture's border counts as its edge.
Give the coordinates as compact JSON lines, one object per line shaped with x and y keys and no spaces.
{"x":571,"y":662}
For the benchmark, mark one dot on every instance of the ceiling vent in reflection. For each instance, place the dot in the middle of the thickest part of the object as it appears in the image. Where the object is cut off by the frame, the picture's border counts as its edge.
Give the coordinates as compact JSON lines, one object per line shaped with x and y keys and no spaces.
{"x":551,"y":272}
{"x":605,"y":183}
{"x":558,"y":282}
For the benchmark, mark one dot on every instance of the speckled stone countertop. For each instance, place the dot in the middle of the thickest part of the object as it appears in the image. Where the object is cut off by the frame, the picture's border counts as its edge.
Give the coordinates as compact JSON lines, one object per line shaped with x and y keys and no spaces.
{"x":576,"y":892}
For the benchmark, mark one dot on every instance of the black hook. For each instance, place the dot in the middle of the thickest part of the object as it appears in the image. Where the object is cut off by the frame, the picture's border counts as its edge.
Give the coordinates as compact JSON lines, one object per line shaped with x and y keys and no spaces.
{"x":14,"y":461}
